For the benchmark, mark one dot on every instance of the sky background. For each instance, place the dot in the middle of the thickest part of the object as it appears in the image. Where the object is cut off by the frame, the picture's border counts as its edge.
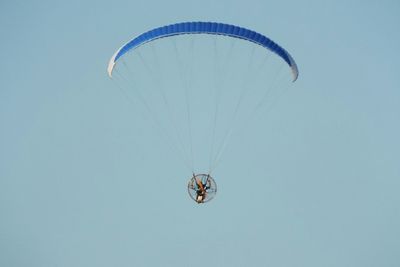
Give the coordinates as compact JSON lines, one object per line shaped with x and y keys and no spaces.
{"x":83,"y":178}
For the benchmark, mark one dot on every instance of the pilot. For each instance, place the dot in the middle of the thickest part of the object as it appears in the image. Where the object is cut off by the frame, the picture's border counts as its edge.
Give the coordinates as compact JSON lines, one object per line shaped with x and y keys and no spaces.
{"x":201,"y":191}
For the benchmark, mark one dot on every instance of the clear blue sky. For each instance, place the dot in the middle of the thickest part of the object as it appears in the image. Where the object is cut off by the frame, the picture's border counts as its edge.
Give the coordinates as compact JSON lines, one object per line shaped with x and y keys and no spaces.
{"x":83,"y":178}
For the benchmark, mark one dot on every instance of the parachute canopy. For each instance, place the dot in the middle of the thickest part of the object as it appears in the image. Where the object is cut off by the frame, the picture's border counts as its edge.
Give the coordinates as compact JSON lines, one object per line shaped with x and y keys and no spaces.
{"x":204,"y":28}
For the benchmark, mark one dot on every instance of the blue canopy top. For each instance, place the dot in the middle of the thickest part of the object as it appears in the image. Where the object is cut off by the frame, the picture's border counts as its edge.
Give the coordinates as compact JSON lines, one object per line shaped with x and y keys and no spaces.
{"x":205,"y":28}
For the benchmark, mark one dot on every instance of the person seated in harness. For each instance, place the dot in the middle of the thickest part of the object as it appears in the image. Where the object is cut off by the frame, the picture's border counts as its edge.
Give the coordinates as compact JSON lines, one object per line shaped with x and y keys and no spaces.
{"x":201,"y":191}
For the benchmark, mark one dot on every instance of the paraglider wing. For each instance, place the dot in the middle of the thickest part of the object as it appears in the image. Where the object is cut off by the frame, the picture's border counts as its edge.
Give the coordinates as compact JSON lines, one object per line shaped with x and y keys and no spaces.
{"x":204,"y":28}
